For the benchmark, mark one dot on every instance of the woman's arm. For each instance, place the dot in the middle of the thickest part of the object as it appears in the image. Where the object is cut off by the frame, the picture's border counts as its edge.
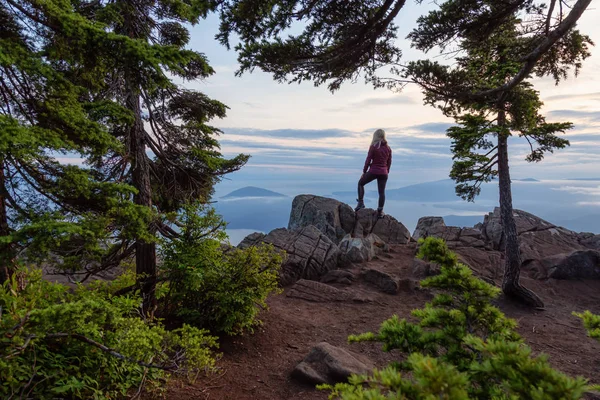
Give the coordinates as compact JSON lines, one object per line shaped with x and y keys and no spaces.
{"x":369,"y":159}
{"x":389,"y":161}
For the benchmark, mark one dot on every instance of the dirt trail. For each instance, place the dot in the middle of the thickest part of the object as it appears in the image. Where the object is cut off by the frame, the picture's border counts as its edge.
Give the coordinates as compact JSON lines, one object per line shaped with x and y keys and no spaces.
{"x":258,"y":366}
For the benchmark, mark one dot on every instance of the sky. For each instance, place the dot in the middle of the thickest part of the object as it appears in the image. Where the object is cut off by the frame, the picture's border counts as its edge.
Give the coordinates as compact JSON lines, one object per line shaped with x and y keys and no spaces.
{"x":305,"y":139}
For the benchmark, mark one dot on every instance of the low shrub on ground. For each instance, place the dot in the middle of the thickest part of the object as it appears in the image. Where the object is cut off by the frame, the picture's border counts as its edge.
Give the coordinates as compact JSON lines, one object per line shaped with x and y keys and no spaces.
{"x":461,"y":347}
{"x":591,"y":322}
{"x":212,"y":285}
{"x":86,"y":343}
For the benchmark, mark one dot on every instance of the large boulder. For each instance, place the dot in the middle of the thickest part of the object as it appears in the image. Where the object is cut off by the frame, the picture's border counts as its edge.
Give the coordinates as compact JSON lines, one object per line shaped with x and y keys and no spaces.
{"x":428,"y":226}
{"x":380,"y":280}
{"x":538,"y":238}
{"x":388,"y":228}
{"x":334,"y":218}
{"x":580,"y":264}
{"x":310,"y":254}
{"x":361,"y":249}
{"x":329,"y":364}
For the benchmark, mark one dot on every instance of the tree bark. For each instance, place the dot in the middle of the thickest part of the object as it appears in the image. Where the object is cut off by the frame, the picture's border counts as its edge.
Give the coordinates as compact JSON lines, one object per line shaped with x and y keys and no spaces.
{"x":510,"y":284}
{"x":7,"y":262}
{"x":145,"y":253}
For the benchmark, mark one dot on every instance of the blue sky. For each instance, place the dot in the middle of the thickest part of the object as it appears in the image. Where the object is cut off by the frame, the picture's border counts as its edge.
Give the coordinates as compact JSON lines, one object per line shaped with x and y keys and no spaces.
{"x":301,"y":135}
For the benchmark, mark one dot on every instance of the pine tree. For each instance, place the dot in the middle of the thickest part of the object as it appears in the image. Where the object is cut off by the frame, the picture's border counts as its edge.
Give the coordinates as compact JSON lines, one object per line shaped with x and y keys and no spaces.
{"x":45,"y":205}
{"x":96,"y":79}
{"x":488,"y":94}
{"x":171,"y":156}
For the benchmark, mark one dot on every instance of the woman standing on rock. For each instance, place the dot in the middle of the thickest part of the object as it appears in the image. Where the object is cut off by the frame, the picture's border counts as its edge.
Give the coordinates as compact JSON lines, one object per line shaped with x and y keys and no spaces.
{"x":377,"y":166}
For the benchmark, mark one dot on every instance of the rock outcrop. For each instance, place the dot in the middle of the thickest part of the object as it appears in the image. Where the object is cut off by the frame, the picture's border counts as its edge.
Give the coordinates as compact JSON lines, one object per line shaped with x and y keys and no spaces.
{"x":580,"y":264}
{"x":454,"y":236}
{"x":310,"y":254}
{"x":543,"y":245}
{"x":538,"y":238}
{"x":329,"y":364}
{"x":388,"y":228}
{"x":252,"y":239}
{"x":589,"y":240}
{"x":428,"y":226}
{"x":325,"y":234}
{"x":334,"y":218}
{"x":362,"y":249}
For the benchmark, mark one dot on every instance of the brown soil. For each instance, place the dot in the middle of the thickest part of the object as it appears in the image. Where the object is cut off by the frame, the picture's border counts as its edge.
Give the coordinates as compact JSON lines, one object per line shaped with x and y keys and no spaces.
{"x":258,"y":366}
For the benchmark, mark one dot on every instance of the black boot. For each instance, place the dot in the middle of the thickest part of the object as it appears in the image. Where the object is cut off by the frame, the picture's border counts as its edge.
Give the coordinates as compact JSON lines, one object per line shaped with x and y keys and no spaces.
{"x":360,"y":205}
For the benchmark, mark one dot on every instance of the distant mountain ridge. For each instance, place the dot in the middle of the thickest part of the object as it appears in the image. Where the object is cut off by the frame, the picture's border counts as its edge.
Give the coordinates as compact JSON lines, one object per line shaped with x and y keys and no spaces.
{"x":252,"y":191}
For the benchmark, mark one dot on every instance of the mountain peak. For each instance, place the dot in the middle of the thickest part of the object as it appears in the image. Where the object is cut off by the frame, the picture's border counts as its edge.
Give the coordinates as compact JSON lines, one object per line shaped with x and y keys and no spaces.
{"x":252,"y":191}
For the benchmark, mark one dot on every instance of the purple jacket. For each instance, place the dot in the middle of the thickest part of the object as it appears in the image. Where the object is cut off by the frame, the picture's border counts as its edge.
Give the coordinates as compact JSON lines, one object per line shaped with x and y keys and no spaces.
{"x":379,"y":160}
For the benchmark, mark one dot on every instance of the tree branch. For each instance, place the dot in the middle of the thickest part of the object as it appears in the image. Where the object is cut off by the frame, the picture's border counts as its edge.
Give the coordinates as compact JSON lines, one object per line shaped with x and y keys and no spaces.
{"x":488,"y":165}
{"x":492,"y":150}
{"x":105,"y":349}
{"x":549,"y":17}
{"x":532,"y":58}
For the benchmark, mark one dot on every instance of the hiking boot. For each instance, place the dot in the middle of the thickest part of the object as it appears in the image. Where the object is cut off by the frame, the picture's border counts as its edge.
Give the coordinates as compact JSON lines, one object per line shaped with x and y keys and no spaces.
{"x":380,"y":213}
{"x":360,"y":205}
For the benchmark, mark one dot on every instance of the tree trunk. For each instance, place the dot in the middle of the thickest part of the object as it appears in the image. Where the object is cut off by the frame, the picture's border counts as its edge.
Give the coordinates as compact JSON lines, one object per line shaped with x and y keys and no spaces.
{"x":510,"y":285}
{"x":145,"y":253}
{"x":7,"y":262}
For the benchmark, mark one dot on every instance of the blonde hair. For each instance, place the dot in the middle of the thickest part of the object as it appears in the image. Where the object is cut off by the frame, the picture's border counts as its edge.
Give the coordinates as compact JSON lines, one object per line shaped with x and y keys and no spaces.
{"x":378,"y":138}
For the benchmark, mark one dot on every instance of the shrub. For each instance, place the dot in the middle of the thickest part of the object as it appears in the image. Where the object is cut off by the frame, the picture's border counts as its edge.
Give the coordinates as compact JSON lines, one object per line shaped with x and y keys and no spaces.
{"x":461,"y":347}
{"x":85,"y":343}
{"x":591,"y":323}
{"x":212,"y":285}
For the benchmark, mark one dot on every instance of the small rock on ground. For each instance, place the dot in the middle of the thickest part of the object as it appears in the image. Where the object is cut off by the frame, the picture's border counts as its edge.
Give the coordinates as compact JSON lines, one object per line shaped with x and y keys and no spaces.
{"x":329,"y":364}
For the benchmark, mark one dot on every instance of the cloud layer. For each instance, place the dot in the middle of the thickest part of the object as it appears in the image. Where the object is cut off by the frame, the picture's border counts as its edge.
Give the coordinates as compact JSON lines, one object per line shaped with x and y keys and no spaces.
{"x":421,"y":152}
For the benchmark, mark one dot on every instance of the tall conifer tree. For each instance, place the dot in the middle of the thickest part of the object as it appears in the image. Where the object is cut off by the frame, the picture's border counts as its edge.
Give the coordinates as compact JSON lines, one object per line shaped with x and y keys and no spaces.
{"x":46,"y":204}
{"x":488,"y":93}
{"x":96,"y":78}
{"x":171,"y":155}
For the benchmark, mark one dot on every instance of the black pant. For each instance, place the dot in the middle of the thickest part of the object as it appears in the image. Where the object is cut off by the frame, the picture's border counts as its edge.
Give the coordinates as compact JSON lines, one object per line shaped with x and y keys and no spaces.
{"x":381,"y":182}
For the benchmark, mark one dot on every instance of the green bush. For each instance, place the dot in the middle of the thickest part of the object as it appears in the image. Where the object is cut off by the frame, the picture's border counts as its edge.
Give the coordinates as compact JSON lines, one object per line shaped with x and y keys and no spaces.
{"x":85,"y":343}
{"x":591,"y":323}
{"x":462,"y":347}
{"x":211,"y":285}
